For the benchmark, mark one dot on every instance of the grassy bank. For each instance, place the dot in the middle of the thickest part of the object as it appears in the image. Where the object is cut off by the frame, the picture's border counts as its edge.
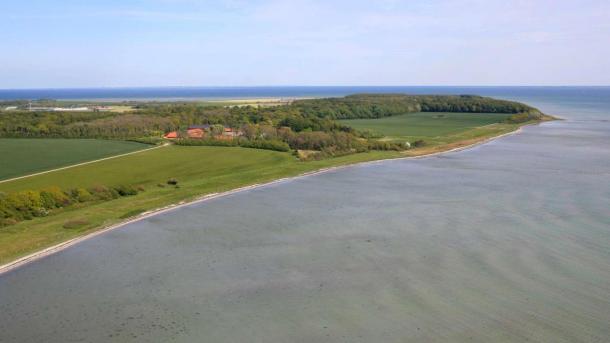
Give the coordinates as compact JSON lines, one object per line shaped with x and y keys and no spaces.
{"x":199,"y":171}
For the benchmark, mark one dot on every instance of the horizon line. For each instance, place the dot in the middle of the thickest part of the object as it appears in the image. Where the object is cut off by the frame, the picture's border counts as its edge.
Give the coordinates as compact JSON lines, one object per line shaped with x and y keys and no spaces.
{"x":296,"y":86}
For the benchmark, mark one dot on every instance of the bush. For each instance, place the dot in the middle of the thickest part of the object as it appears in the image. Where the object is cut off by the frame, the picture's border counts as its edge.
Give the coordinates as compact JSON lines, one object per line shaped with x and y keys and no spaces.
{"x":524,"y":117}
{"x":40,"y":212}
{"x":418,"y":143}
{"x":124,"y":190}
{"x":369,"y":134}
{"x":206,"y":142}
{"x":266,"y":144}
{"x":82,"y":195}
{"x":25,"y":200}
{"x":103,"y":193}
{"x":54,"y":197}
{"x":378,"y":145}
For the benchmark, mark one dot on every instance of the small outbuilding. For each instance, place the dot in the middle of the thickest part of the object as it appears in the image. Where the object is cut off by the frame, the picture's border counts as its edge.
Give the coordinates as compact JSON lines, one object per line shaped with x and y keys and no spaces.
{"x":171,"y":135}
{"x":195,"y":133}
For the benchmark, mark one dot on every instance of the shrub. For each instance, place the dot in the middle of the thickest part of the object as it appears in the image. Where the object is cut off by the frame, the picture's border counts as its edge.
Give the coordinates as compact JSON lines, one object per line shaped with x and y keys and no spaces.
{"x":418,"y":143}
{"x":24,"y":200}
{"x":266,"y":144}
{"x":54,"y":197}
{"x":40,"y":212}
{"x":370,"y":134}
{"x":524,"y":117}
{"x":379,"y":145}
{"x":82,"y":195}
{"x":48,"y":201}
{"x":124,"y":190}
{"x":20,"y":205}
{"x":206,"y":142}
{"x":103,"y":193}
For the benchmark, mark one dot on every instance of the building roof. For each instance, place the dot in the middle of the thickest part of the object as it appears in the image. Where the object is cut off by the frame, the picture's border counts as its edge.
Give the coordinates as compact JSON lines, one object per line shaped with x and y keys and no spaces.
{"x":195,"y":133}
{"x":172,"y":134}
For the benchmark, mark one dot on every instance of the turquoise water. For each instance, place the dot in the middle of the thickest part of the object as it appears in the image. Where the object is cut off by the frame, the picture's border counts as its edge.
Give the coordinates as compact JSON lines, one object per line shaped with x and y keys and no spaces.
{"x":505,"y":242}
{"x":577,"y":95}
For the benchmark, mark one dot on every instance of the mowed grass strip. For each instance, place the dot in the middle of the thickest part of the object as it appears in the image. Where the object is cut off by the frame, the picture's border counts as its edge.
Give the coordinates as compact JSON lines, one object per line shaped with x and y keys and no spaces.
{"x":425,"y":124}
{"x":23,"y":156}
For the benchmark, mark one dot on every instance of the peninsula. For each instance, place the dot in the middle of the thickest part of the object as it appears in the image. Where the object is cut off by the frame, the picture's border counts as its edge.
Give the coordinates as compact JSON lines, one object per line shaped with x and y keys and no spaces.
{"x":62,"y":182}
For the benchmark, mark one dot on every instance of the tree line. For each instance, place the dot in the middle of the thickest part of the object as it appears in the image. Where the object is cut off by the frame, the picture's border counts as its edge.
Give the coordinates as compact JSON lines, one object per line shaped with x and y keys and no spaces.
{"x":303,"y":124}
{"x":385,"y":105}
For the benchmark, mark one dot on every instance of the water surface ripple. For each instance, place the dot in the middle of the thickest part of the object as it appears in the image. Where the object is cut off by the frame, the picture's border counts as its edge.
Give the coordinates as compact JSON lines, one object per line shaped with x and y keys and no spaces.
{"x":508,"y":241}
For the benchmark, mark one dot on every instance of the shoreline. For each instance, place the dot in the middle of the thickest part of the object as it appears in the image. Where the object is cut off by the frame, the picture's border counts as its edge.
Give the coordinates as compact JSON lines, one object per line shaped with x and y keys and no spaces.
{"x":10,"y":266}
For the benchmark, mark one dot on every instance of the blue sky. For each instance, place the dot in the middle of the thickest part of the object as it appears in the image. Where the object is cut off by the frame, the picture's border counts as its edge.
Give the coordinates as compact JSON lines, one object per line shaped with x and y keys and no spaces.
{"x":115,"y":43}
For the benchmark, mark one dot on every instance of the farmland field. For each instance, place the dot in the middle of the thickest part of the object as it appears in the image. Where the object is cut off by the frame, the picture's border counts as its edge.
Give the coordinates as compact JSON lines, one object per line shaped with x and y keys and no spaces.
{"x":424,"y":124}
{"x":22,"y":156}
{"x":148,"y":168}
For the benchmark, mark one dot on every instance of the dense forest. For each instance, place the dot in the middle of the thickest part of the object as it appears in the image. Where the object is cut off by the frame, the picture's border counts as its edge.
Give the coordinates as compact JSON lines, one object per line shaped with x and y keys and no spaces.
{"x":303,"y":124}
{"x":384,"y":105}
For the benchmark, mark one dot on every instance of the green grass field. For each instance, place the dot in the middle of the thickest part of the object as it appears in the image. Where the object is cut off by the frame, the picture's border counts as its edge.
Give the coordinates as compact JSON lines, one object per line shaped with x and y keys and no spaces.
{"x":424,"y":125}
{"x":149,"y":168}
{"x":22,"y":156}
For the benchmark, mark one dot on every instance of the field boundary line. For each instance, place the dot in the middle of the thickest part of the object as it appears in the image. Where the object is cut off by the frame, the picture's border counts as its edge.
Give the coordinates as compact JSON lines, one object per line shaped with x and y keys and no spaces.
{"x":83,"y":163}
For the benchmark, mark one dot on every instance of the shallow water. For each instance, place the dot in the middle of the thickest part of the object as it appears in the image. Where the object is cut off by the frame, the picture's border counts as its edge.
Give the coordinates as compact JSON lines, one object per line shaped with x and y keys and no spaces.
{"x":508,"y":241}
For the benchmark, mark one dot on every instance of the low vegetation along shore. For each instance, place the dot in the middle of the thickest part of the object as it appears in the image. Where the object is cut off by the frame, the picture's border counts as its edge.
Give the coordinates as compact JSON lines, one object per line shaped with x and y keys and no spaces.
{"x":263,"y":143}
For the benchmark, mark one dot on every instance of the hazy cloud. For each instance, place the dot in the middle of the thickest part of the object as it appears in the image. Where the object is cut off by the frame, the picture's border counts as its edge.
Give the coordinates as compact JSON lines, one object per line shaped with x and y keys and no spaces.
{"x":233,"y":42}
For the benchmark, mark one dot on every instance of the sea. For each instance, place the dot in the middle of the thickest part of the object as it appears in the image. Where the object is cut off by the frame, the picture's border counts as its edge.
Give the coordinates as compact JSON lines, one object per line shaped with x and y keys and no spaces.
{"x":219,"y":93}
{"x":508,"y":241}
